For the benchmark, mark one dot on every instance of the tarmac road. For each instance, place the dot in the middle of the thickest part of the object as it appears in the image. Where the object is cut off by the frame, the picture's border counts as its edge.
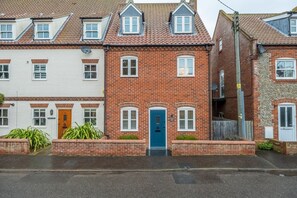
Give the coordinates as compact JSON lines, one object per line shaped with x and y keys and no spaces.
{"x":146,"y":184}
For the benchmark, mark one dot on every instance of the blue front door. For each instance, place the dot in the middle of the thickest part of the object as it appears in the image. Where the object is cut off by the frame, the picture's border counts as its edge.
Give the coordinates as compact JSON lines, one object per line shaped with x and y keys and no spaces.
{"x":157,"y":129}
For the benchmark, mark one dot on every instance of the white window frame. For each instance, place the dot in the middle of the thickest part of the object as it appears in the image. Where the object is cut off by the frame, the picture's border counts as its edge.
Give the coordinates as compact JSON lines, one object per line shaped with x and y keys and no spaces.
{"x":33,"y":118}
{"x":91,"y":117}
{"x":36,"y":31}
{"x":84,"y":71}
{"x":186,"y":109}
{"x":183,"y":24}
{"x":293,"y":26}
{"x":2,"y":117}
{"x":285,"y":59}
{"x":3,"y":72}
{"x":129,"y":109}
{"x":222,"y":84}
{"x":130,"y":31}
{"x":85,"y":31}
{"x":220,"y":44}
{"x":39,"y":79}
{"x":129,"y":58}
{"x":12,"y":31}
{"x":186,"y":66}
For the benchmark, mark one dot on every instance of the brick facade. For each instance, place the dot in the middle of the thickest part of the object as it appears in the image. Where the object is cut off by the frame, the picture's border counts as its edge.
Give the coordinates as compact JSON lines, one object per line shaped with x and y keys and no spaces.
{"x":180,"y":148}
{"x":157,"y":85}
{"x":263,"y":92}
{"x":225,"y":60}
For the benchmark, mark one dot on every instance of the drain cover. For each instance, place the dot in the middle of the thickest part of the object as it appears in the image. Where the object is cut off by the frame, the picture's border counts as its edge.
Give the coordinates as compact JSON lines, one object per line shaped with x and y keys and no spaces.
{"x":184,"y":178}
{"x":185,"y":165}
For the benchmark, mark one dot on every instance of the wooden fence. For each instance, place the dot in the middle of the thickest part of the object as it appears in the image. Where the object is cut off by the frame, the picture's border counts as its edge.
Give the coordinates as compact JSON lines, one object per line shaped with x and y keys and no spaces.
{"x":226,"y":129}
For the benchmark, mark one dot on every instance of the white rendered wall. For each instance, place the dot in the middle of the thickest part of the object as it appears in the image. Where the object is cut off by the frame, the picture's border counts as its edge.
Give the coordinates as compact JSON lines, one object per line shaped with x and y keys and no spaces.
{"x":20,"y":116}
{"x":64,"y":74}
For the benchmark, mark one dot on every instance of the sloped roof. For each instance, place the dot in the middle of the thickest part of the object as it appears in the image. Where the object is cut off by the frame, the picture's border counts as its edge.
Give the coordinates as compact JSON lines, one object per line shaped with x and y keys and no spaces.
{"x":72,"y":32}
{"x":156,"y":29}
{"x":295,"y":9}
{"x":256,"y":28}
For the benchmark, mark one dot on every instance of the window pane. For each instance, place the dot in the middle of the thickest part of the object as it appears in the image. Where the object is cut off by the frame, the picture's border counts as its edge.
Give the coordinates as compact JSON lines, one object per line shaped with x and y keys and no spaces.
{"x":93,"y":68}
{"x":95,"y":35}
{"x":4,"y":112}
{"x":36,"y":113}
{"x":190,"y":124}
{"x":133,"y":71}
{"x":133,"y":63}
{"x":36,"y":67}
{"x":94,"y":27}
{"x":133,"y":115}
{"x":179,"y":20}
{"x":134,"y":28}
{"x":5,"y":68}
{"x":87,"y":75}
{"x":289,"y":73}
{"x":89,"y":34}
{"x":181,"y":114}
{"x":125,"y":124}
{"x":42,"y":113}
{"x":283,"y":116}
{"x":125,"y":63}
{"x":87,"y":113}
{"x":182,"y":124}
{"x":93,"y":75}
{"x":93,"y":121}
{"x":125,"y":71}
{"x":187,"y":20}
{"x":179,"y":28}
{"x":5,"y":121}
{"x":187,"y":27}
{"x":36,"y":122}
{"x":280,"y":64}
{"x":133,"y":124}
{"x":127,"y":21}
{"x":88,"y":27}
{"x":87,"y":68}
{"x":93,"y":113}
{"x":190,"y":114}
{"x":42,"y":122}
{"x":42,"y":68}
{"x":289,"y":117}
{"x":125,"y":114}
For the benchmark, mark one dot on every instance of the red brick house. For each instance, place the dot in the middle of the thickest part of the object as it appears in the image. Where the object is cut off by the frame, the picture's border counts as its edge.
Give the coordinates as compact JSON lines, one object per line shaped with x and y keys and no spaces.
{"x":268,"y":45}
{"x":157,"y":73}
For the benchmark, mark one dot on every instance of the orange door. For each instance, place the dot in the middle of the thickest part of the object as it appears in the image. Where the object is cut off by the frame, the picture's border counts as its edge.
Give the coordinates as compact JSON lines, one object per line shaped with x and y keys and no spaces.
{"x":64,"y":121}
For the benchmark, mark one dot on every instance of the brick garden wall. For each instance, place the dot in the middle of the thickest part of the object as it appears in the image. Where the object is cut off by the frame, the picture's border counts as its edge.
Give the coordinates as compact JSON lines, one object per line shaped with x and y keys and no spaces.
{"x":288,"y":148}
{"x":99,"y":147}
{"x":14,"y":146}
{"x":157,"y":85}
{"x":192,"y":148}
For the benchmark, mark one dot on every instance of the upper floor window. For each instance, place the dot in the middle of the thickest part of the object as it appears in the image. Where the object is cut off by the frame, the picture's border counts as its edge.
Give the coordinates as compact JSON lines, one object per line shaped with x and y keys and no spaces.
{"x":90,"y":115}
{"x":129,"y":119}
{"x":183,"y":24}
{"x":186,"y":119}
{"x":39,"y":118}
{"x":220,"y":44}
{"x":4,"y":72}
{"x":293,"y":26}
{"x":91,"y":30}
{"x":129,"y":66}
{"x":222,"y":84}
{"x":185,"y":66}
{"x":6,"y":31}
{"x":90,"y":72}
{"x":286,"y":69}
{"x":131,"y":25}
{"x":39,"y":72}
{"x":42,"y":31}
{"x":3,"y":117}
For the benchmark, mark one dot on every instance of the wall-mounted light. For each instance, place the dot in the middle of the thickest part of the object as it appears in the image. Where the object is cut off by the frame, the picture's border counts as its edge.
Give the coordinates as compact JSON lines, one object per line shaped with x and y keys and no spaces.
{"x":171,"y":119}
{"x":12,"y":104}
{"x":51,"y":112}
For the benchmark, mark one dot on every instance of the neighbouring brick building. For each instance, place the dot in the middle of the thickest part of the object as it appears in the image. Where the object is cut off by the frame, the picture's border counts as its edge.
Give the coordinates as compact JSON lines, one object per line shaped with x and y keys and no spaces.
{"x":157,"y":73}
{"x":268,"y":49}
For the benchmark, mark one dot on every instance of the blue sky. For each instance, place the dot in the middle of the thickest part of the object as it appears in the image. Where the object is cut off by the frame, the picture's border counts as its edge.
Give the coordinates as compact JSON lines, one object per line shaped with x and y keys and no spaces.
{"x":208,"y":9}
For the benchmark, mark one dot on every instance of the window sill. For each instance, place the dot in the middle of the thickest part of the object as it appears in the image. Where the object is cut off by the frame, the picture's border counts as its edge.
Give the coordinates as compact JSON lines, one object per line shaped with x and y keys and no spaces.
{"x":4,"y":127}
{"x":129,"y":76}
{"x":95,"y":79}
{"x":186,"y":130}
{"x":127,"y":131}
{"x":39,"y":79}
{"x":186,"y":76}
{"x":4,"y":79}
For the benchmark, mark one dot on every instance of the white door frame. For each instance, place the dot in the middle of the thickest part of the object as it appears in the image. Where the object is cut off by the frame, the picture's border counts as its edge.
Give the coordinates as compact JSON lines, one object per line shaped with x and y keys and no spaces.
{"x":293,"y":118}
{"x":149,"y":123}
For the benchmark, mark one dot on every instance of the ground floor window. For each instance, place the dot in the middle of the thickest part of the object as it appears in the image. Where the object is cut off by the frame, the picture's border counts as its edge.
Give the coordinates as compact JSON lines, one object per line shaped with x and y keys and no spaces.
{"x":90,"y":115}
{"x":39,"y":118}
{"x":3,"y":117}
{"x":186,"y":119}
{"x":129,"y":119}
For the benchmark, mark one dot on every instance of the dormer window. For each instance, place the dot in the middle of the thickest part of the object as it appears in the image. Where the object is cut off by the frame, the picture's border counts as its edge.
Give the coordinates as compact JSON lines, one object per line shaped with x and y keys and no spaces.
{"x":42,"y":31}
{"x":6,"y":31}
{"x":131,"y":25}
{"x":293,"y":26}
{"x":91,"y":30}
{"x":183,"y":24}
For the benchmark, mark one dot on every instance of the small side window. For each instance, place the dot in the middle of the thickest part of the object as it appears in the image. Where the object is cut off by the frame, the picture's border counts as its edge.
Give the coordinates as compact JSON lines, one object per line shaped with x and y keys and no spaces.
{"x":285,"y":69}
{"x":220,"y":44}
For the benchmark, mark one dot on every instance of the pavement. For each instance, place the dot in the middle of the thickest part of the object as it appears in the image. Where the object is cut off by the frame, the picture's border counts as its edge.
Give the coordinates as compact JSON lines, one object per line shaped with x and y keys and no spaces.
{"x":264,"y":161}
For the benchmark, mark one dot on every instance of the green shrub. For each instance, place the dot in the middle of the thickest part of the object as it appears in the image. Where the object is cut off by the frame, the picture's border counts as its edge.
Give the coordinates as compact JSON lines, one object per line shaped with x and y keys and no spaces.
{"x":267,"y":145}
{"x":186,"y":137}
{"x":37,"y":138}
{"x":86,"y":131}
{"x":128,"y":137}
{"x":1,"y":98}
